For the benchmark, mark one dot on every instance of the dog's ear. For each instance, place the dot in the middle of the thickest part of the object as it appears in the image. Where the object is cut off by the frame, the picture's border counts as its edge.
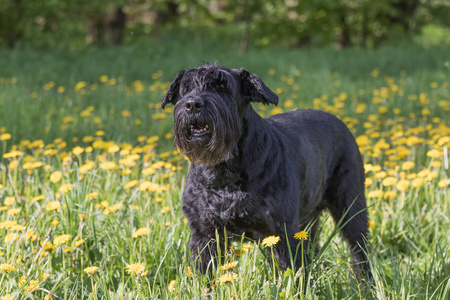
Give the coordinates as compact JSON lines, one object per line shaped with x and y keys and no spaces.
{"x":173,"y":93}
{"x":254,"y":90}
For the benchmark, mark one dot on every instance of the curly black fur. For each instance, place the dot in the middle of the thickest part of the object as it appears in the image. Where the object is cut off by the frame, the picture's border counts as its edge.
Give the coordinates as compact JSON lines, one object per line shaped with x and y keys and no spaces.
{"x":261,"y":176}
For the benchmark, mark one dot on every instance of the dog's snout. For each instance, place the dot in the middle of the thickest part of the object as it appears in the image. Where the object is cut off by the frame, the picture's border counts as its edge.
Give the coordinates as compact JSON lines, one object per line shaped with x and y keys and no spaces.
{"x":194,"y":105}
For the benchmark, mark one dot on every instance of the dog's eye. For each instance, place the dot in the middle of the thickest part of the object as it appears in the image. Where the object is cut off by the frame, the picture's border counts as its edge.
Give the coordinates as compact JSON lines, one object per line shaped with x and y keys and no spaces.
{"x":221,"y":86}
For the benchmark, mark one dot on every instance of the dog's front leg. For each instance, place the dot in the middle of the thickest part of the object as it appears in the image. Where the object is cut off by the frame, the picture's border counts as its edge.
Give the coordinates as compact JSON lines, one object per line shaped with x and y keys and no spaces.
{"x":283,"y":254}
{"x":204,"y":250}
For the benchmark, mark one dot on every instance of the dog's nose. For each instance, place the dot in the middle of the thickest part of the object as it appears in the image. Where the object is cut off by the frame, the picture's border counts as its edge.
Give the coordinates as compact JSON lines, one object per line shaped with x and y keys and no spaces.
{"x":194,"y":105}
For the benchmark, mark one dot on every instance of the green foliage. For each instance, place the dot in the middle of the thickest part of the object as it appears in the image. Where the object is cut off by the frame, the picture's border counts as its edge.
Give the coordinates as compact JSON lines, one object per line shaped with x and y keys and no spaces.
{"x":365,"y":23}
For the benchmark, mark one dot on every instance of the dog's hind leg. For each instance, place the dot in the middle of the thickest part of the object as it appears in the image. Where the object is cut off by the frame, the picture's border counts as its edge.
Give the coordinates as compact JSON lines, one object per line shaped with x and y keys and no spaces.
{"x":347,"y":204}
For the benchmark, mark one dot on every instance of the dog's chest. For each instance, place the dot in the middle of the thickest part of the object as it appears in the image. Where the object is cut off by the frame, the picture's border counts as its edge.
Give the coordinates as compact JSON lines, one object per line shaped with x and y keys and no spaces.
{"x":220,"y":204}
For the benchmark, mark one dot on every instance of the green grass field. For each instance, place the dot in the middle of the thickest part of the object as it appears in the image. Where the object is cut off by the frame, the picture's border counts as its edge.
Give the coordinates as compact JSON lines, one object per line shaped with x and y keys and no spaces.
{"x":89,"y":176}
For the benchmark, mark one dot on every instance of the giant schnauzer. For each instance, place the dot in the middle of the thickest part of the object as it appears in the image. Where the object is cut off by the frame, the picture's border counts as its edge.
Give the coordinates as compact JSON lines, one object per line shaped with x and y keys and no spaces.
{"x":259,"y":176}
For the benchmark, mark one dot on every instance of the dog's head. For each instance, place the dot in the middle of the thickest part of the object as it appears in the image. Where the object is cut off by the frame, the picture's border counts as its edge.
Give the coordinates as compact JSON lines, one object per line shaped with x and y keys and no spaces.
{"x":210,"y":104}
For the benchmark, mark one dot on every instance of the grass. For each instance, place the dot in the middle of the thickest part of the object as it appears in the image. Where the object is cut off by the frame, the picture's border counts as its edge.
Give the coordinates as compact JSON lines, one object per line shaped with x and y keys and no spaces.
{"x":87,"y":160}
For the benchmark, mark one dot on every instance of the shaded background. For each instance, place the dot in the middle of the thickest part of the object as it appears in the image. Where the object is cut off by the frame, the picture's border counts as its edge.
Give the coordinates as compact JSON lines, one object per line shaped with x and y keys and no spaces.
{"x":239,"y":24}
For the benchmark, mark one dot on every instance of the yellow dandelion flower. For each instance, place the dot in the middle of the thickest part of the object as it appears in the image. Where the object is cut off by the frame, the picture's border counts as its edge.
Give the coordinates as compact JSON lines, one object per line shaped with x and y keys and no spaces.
{"x":371,"y":224}
{"x":363,"y":140}
{"x":48,"y":297}
{"x":148,"y":171}
{"x":380,"y":174}
{"x":244,"y":249}
{"x":17,"y":228}
{"x":408,"y":165}
{"x":375,"y":194}
{"x":22,"y":280}
{"x":389,"y":181}
{"x":189,"y":272}
{"x":66,"y":187}
{"x":229,"y":266}
{"x":390,"y":195}
{"x":171,"y":286}
{"x":227,"y":278}
{"x":136,"y":269}
{"x":444,"y":140}
{"x":12,"y":154}
{"x":13,"y":211}
{"x":113,"y":149}
{"x":417,"y":182}
{"x":140,"y":232}
{"x":77,"y":150}
{"x":47,"y":245}
{"x":9,"y":201}
{"x":13,"y":164}
{"x":80,"y":85}
{"x":108,"y":165}
{"x":302,"y":235}
{"x":158,"y":165}
{"x":62,"y":239}
{"x":38,"y":198}
{"x":6,"y":268}
{"x":53,"y":205}
{"x":32,"y":286}
{"x":8,"y":224}
{"x":112,"y":208}
{"x":55,"y":176}
{"x":7,"y":297}
{"x":443,"y":183}
{"x":90,"y":270}
{"x":91,"y":196}
{"x":368,"y":182}
{"x":276,"y":111}
{"x":126,"y":113}
{"x":5,"y":136}
{"x":434,"y":153}
{"x":403,"y":185}
{"x":78,"y":243}
{"x":68,"y":250}
{"x":159,"y":116}
{"x":87,"y":167}
{"x":145,"y":185}
{"x":130,"y":184}
{"x":436,"y":164}
{"x":270,"y":241}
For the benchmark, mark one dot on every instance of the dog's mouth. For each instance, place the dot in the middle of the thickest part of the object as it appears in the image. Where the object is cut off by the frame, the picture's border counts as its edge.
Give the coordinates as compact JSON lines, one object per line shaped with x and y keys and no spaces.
{"x":199,"y":129}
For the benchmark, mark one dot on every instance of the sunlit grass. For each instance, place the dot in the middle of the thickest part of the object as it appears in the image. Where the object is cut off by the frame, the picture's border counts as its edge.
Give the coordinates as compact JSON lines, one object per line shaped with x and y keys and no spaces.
{"x":90,"y":189}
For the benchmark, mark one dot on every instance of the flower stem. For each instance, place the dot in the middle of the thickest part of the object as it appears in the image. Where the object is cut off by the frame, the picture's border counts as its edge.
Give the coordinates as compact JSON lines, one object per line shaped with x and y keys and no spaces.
{"x":273,"y":263}
{"x":93,"y":288}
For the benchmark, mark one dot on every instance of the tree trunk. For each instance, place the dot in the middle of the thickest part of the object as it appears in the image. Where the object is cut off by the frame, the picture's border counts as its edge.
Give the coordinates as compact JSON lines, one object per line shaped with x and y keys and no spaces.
{"x":95,"y":29}
{"x":114,"y":25}
{"x":344,"y":38}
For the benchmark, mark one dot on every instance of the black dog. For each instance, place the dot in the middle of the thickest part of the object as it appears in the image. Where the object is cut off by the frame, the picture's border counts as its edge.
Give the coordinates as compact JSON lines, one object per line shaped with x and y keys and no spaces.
{"x":262,"y":176}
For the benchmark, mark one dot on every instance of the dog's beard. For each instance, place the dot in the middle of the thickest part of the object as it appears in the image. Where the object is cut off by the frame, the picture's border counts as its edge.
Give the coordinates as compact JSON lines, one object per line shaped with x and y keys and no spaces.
{"x":209,"y":137}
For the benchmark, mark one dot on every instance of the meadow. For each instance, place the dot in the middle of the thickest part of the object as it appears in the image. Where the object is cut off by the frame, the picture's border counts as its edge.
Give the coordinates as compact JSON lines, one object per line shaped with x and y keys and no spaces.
{"x":91,"y":185}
